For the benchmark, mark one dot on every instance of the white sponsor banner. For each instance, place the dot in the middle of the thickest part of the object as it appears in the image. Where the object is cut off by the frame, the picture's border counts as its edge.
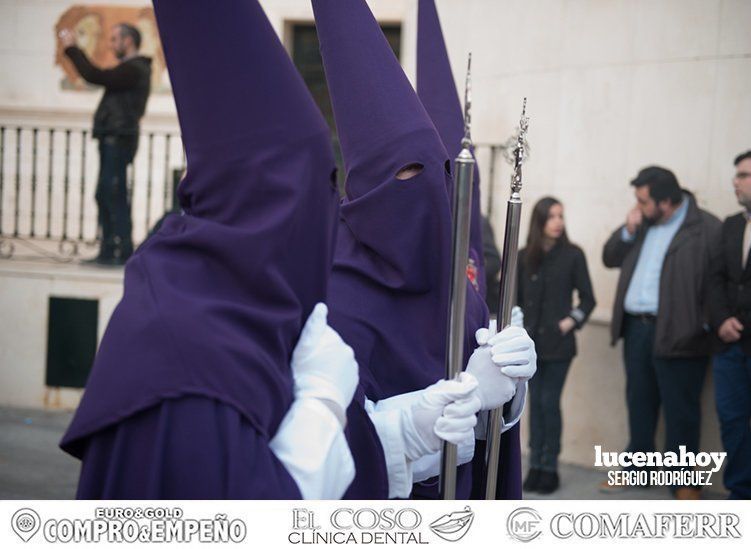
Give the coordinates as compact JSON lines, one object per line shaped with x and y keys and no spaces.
{"x":271,"y":524}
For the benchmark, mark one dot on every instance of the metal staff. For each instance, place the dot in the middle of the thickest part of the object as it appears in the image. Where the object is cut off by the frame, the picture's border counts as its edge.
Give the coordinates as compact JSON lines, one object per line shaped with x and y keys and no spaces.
{"x":507,"y":294}
{"x":464,"y":167}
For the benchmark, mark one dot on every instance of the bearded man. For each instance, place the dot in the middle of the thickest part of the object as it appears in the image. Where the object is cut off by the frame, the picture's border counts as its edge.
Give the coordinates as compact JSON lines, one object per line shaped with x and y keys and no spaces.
{"x":663,"y":251}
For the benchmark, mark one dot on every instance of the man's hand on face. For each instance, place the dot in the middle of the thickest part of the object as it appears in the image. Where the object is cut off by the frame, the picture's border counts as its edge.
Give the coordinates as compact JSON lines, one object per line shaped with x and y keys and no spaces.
{"x":730,"y":330}
{"x":67,"y":38}
{"x":633,"y":220}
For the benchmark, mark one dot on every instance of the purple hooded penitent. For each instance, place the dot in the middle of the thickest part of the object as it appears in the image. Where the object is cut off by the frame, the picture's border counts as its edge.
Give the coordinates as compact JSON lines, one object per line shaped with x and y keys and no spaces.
{"x":437,"y":91}
{"x":192,"y":377}
{"x":389,"y":289}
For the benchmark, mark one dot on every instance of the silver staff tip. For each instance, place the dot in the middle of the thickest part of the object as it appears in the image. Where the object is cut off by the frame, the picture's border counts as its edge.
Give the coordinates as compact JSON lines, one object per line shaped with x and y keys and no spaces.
{"x":524,"y":120}
{"x":519,"y":151}
{"x":467,"y":139}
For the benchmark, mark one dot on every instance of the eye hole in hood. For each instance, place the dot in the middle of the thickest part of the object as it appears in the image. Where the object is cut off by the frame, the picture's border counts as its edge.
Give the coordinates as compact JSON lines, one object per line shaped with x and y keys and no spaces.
{"x":409,"y":171}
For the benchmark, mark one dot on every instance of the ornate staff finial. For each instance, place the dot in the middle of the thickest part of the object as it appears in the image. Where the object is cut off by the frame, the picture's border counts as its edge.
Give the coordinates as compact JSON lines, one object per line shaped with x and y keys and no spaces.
{"x":519,"y":150}
{"x":467,"y":140}
{"x":507,"y":291}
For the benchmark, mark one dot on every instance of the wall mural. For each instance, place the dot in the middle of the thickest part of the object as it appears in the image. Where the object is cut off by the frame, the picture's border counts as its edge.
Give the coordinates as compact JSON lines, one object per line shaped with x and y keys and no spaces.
{"x":91,"y":25}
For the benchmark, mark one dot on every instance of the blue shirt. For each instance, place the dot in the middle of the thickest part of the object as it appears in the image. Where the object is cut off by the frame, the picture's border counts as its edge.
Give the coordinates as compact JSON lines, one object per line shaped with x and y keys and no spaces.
{"x":643,"y":294}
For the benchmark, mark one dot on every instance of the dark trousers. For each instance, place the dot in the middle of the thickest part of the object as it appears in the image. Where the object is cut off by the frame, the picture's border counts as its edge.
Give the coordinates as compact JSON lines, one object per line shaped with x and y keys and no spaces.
{"x":545,"y":390}
{"x":674,"y":383}
{"x":115,"y":153}
{"x":732,"y":377}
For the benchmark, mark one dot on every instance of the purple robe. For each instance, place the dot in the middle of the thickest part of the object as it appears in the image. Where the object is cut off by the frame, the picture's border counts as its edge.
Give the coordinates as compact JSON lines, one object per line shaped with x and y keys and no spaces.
{"x":437,"y":91}
{"x":192,"y":377}
{"x":388,"y":293}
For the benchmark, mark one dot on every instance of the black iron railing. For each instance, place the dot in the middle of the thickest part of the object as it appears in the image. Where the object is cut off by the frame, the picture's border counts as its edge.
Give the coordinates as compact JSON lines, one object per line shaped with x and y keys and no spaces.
{"x":48,"y":180}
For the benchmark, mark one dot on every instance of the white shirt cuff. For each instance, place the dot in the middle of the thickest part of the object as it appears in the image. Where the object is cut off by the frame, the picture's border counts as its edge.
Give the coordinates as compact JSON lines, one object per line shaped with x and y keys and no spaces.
{"x":429,"y":466}
{"x":387,"y":423}
{"x":516,"y":408}
{"x":311,"y":445}
{"x":627,"y":236}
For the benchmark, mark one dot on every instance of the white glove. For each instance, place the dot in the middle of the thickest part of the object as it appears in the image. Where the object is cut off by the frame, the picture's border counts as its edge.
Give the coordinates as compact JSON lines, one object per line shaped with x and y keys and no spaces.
{"x":494,"y":387}
{"x":445,"y":411}
{"x":429,"y":466}
{"x":484,"y":334}
{"x":514,"y":351}
{"x":402,"y":473}
{"x":323,"y":366}
{"x":517,"y":317}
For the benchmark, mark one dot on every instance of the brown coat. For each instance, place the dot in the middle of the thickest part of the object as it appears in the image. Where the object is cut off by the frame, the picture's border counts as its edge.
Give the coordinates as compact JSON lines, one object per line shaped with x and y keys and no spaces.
{"x":681,"y":329}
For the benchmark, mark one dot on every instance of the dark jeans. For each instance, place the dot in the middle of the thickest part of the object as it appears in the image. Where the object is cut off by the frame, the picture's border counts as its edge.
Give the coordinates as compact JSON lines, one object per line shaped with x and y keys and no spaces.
{"x":732,"y":377}
{"x":545,"y":390}
{"x":115,"y":153}
{"x":674,"y":383}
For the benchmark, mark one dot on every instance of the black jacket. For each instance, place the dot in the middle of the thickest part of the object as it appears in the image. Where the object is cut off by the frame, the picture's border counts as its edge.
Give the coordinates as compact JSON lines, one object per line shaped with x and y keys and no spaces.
{"x":729,"y":291}
{"x":126,"y":90}
{"x":546,"y":299}
{"x":681,"y":326}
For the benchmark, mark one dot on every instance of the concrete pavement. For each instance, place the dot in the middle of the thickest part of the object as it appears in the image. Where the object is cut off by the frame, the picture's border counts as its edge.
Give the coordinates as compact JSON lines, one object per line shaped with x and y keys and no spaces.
{"x":33,"y":467}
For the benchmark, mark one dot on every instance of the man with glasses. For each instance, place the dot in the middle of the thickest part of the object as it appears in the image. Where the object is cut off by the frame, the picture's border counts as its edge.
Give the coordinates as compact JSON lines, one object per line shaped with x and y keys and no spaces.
{"x":730,"y":314}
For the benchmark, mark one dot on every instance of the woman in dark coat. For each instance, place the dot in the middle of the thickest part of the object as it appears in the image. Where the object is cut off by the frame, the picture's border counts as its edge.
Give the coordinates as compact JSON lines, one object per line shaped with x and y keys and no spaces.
{"x":550,"y":269}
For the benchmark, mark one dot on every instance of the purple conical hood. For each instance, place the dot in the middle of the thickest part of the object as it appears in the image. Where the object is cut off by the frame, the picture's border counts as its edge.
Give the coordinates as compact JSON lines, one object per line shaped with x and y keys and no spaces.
{"x":376,"y":110}
{"x":437,"y":91}
{"x":238,"y":96}
{"x":389,"y":289}
{"x":435,"y":81}
{"x":214,"y":302}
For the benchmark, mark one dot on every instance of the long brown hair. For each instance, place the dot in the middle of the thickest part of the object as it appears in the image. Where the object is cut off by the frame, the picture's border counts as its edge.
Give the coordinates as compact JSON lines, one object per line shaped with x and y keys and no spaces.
{"x":536,"y":236}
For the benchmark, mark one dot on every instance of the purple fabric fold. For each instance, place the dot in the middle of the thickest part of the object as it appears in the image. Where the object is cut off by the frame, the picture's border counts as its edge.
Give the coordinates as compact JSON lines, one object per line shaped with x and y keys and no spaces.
{"x":189,"y":448}
{"x":371,"y":475}
{"x":199,"y":448}
{"x":388,"y":293}
{"x":214,"y":302}
{"x":509,"y":484}
{"x":364,"y":77}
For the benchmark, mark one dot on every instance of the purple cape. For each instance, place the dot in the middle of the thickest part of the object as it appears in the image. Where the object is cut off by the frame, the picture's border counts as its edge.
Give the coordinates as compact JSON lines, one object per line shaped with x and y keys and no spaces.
{"x":437,"y":91}
{"x":193,"y":371}
{"x":388,"y":293}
